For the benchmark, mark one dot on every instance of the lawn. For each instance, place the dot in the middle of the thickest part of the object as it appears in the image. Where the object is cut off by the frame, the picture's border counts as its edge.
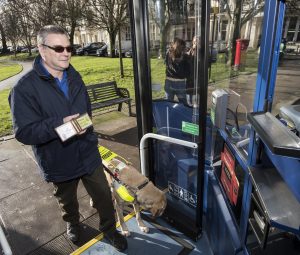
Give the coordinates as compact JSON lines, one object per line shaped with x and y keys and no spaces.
{"x":5,"y":117}
{"x":100,"y":69}
{"x":6,"y":70}
{"x":18,"y":57}
{"x":9,"y":69}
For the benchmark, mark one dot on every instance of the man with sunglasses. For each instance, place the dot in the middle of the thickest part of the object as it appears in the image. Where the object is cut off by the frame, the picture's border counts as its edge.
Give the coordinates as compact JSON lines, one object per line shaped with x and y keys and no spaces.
{"x":49,"y":95}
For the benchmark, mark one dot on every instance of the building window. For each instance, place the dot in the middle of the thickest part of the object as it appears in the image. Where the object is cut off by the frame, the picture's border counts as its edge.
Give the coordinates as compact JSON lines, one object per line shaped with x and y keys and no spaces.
{"x":189,"y":35}
{"x":152,"y":32}
{"x":128,"y":34}
{"x":192,"y":9}
{"x":291,"y":29}
{"x":224,"y":25}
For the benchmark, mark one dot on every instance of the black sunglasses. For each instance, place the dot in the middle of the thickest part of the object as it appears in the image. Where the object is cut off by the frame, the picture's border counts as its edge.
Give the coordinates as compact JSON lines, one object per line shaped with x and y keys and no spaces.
{"x":59,"y":49}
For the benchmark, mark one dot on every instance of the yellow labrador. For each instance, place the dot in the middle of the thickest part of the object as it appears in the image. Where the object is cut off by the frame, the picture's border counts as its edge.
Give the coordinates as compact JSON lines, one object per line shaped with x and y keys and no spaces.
{"x":143,"y":191}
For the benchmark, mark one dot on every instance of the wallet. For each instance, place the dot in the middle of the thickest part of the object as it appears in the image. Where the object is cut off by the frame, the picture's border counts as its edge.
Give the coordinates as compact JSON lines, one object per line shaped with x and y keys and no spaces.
{"x":73,"y":127}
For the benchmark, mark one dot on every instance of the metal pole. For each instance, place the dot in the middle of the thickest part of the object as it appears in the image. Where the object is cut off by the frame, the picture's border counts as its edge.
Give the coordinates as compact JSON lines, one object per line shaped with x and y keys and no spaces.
{"x":212,"y":45}
{"x":4,"y":244}
{"x":161,"y":138}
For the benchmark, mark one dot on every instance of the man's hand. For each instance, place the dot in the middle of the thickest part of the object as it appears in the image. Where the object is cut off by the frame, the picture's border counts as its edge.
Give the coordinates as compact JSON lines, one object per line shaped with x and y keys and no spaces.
{"x":68,"y":118}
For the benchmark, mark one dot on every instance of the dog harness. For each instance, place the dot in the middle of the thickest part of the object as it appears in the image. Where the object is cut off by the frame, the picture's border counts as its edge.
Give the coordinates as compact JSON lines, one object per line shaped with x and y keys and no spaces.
{"x":125,"y":191}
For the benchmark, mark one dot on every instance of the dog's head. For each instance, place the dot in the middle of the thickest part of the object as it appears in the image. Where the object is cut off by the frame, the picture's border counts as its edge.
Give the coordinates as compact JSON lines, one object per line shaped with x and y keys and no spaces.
{"x":152,"y":199}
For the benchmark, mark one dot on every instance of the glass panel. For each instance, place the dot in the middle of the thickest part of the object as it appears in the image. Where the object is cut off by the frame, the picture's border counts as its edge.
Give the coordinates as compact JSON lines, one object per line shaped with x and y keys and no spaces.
{"x":286,"y":100}
{"x":235,"y":35}
{"x":174,"y":31}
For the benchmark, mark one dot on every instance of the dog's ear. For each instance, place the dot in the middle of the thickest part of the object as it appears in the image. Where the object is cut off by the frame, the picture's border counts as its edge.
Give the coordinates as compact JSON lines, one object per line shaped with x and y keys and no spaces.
{"x":145,"y":199}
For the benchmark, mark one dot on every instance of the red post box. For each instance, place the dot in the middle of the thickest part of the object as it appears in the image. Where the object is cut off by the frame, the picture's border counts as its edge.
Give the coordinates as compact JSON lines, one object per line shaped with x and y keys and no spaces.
{"x":240,"y":54}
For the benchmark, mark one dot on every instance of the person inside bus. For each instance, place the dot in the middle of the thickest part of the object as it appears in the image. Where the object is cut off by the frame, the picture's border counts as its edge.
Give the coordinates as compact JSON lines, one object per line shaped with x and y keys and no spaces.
{"x":177,"y":71}
{"x":49,"y":95}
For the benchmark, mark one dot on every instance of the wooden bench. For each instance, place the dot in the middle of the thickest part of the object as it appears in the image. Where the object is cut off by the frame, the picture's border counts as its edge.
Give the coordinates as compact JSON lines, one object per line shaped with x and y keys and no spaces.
{"x":108,"y":94}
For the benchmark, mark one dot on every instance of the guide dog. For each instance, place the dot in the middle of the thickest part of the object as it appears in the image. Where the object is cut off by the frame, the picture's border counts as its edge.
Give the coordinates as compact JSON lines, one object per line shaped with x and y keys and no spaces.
{"x":129,"y":186}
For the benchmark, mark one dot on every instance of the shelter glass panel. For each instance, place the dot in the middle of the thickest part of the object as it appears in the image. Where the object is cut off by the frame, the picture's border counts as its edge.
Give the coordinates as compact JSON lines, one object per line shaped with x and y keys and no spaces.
{"x":173,"y":62}
{"x":234,"y":45}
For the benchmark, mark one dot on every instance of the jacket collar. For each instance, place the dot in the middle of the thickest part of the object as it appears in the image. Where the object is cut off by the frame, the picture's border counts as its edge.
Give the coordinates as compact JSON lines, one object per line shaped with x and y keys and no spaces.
{"x":72,"y":75}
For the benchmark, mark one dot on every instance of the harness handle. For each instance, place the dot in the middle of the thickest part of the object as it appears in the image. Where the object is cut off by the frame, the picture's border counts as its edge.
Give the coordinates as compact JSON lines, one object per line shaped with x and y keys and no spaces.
{"x":111,"y":174}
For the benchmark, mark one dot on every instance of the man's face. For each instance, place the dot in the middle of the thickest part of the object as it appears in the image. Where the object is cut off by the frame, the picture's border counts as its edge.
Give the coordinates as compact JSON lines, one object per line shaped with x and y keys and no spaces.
{"x":55,"y":61}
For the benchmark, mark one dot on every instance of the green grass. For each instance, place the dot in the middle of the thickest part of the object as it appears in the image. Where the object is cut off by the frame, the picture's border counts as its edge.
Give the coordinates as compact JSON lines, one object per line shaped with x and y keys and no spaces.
{"x":221,"y":70}
{"x":9,"y":69}
{"x":5,"y":116}
{"x":158,"y":75}
{"x":99,"y":69}
{"x":18,"y":57}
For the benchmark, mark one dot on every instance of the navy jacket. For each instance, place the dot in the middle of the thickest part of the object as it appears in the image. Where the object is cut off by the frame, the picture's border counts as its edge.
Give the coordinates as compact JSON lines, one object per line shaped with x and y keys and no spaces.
{"x":178,"y":68}
{"x":38,"y":106}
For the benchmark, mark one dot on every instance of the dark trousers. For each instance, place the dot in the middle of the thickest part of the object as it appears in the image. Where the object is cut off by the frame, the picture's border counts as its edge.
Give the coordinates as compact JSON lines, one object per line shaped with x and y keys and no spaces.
{"x":97,"y":187}
{"x":177,"y":88}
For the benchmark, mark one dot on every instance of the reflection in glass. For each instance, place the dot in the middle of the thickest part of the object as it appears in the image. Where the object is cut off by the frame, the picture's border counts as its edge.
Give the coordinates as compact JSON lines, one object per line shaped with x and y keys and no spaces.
{"x":172,"y":27}
{"x":235,"y":35}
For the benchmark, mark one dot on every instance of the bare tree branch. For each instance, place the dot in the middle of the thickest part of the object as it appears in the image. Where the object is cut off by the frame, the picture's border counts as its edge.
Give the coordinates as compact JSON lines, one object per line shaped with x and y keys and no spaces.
{"x":108,"y":15}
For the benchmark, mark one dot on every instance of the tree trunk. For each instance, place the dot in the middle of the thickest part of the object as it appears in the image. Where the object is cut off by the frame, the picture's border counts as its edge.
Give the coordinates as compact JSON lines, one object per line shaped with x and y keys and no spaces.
{"x":3,"y":39}
{"x":237,"y":28}
{"x":163,"y":26}
{"x":112,"y":40}
{"x":163,"y":41}
{"x":72,"y":32}
{"x":120,"y":55}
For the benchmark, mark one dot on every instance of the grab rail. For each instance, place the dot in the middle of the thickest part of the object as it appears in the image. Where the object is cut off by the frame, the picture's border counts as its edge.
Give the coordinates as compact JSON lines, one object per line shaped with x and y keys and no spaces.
{"x":161,"y":138}
{"x":4,"y":244}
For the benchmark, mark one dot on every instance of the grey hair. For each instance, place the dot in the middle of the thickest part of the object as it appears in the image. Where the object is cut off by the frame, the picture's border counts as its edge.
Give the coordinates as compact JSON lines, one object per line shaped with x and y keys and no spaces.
{"x":49,"y":29}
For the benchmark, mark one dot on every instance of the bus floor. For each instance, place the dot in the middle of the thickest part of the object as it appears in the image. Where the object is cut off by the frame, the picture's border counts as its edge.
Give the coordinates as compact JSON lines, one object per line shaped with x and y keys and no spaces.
{"x":161,"y":239}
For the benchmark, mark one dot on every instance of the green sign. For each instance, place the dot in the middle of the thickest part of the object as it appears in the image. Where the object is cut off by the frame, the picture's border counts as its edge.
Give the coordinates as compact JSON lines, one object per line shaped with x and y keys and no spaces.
{"x":190,"y":128}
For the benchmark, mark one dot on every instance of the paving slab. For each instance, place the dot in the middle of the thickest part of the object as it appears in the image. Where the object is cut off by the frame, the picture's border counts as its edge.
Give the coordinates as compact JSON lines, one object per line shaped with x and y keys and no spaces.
{"x":17,"y":170}
{"x":31,"y":218}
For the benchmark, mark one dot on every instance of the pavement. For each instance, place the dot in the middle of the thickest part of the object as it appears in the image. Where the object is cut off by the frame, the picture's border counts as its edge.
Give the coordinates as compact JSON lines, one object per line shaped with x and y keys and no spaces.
{"x":8,"y":83}
{"x":29,"y":213}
